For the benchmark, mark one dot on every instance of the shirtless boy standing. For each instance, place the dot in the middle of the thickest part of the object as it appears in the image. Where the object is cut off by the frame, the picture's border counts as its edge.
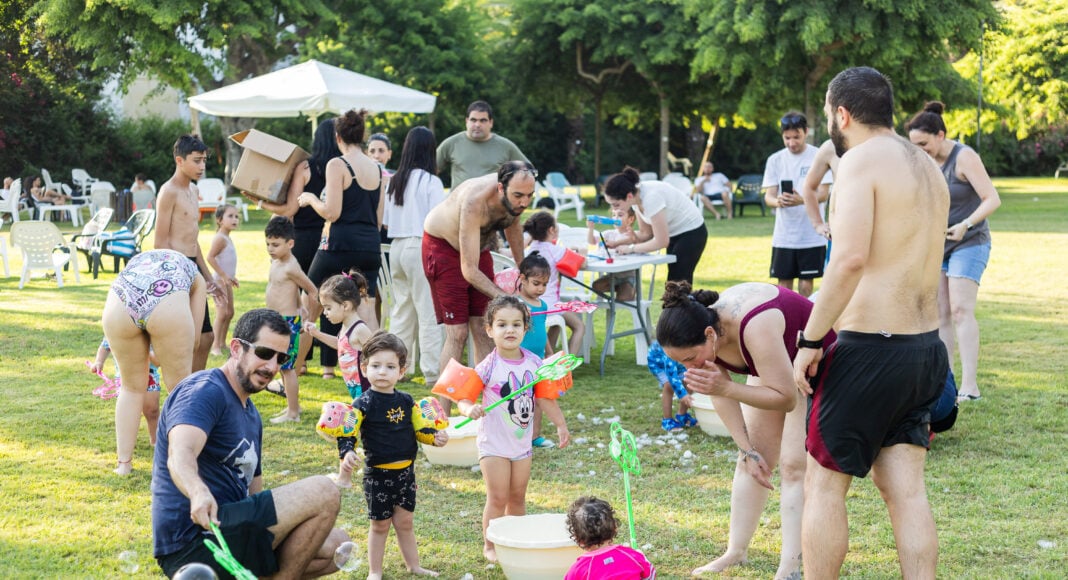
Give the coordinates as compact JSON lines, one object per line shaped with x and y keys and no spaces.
{"x":284,"y":283}
{"x":177,"y":225}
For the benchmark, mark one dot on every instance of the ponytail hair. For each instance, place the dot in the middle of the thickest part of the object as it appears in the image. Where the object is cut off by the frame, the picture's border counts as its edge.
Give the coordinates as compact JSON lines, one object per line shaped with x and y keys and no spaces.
{"x":929,"y":120}
{"x":622,"y":183}
{"x":341,"y":288}
{"x":685,"y":315}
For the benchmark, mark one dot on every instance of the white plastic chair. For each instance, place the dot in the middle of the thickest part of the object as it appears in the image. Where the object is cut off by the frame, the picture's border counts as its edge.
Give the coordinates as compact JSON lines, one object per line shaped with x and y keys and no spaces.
{"x":46,"y":209}
{"x":212,"y":193}
{"x":564,"y":195}
{"x":3,"y":254}
{"x":679,"y":182}
{"x":385,"y":286}
{"x":82,"y":180}
{"x":100,"y":195}
{"x":13,"y":205}
{"x":648,"y":176}
{"x":39,"y":242}
{"x":144,"y":198}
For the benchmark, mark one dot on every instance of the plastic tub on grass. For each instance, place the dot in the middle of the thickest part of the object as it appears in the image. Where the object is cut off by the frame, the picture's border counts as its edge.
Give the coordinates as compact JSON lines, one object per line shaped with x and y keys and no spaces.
{"x":460,"y":450}
{"x":707,"y":418}
{"x":533,"y":547}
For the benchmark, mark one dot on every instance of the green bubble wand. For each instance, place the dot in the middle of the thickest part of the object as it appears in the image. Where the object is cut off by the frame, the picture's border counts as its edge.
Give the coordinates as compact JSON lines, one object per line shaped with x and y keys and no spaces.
{"x":225,"y":558}
{"x":553,"y":371}
{"x":625,"y":451}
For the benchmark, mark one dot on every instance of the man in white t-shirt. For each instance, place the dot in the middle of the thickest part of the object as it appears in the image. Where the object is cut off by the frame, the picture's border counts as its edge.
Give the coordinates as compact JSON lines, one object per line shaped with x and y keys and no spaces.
{"x":798,"y":251}
{"x":714,"y":186}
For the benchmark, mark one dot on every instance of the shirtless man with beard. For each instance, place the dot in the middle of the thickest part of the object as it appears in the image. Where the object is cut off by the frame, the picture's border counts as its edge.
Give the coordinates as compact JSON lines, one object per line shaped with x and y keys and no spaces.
{"x":458,"y":236}
{"x":873,"y":391}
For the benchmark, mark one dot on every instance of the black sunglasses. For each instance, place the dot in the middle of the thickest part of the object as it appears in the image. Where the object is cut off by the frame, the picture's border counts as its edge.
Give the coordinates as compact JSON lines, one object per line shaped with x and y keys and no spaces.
{"x":265,"y":353}
{"x":789,"y":122}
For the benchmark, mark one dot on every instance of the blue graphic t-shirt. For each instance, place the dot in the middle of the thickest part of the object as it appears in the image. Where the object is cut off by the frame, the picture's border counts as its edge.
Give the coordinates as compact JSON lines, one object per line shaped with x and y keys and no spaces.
{"x":227,"y":464}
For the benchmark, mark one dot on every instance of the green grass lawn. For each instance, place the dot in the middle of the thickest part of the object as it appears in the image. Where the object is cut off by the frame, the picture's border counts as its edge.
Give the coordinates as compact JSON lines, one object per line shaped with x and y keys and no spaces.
{"x":997,"y":482}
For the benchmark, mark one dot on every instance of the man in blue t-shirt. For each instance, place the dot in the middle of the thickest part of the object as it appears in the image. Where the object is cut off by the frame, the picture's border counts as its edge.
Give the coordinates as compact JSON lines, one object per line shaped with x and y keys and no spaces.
{"x":207,"y":468}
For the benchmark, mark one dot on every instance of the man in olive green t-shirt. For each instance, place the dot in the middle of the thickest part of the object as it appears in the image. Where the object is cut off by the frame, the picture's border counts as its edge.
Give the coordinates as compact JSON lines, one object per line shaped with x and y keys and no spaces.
{"x":477,"y":151}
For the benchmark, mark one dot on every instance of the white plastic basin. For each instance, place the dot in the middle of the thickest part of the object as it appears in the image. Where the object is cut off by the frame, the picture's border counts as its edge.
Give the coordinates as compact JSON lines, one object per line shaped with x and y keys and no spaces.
{"x":533,"y":547}
{"x":707,"y":418}
{"x":460,"y":450}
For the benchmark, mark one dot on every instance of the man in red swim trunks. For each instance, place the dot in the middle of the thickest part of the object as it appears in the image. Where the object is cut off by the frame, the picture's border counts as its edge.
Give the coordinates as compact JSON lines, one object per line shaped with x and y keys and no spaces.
{"x":457,"y":239}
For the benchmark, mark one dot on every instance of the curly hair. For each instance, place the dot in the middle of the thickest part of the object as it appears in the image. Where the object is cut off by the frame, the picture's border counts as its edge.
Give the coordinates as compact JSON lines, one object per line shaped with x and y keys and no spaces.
{"x":591,"y":522}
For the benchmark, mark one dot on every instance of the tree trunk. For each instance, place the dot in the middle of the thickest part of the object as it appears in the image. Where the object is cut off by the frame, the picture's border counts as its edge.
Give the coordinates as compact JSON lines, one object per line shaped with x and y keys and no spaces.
{"x":597,"y":103}
{"x":576,"y":136}
{"x":695,"y":143}
{"x":665,"y":125}
{"x":229,"y":126}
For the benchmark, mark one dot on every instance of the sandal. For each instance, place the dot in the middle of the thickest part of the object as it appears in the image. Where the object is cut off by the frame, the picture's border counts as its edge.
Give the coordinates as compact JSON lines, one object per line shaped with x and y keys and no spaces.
{"x":670,"y":425}
{"x":276,"y":387}
{"x":686,"y":419}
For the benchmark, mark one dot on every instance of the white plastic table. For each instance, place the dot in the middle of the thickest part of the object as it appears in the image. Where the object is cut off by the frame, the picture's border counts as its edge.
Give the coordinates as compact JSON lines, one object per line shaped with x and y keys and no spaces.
{"x":622,"y":264}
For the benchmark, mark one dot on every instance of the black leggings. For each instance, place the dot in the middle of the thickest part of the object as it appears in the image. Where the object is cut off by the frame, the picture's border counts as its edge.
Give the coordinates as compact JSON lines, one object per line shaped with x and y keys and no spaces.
{"x":330,"y":262}
{"x":687,"y":248}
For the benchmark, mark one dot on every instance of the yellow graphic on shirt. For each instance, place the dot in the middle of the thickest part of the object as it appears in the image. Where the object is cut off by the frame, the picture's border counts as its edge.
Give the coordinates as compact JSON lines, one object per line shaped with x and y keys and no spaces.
{"x":395,"y":415}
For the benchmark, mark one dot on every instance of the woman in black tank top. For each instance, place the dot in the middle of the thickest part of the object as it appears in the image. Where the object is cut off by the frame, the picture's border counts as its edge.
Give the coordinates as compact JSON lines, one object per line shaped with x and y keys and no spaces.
{"x":353,"y":213}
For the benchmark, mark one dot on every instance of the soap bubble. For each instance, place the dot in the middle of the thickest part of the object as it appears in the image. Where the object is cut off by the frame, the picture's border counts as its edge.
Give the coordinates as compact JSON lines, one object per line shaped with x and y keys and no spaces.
{"x":128,"y":562}
{"x":345,"y":557}
{"x":195,"y":571}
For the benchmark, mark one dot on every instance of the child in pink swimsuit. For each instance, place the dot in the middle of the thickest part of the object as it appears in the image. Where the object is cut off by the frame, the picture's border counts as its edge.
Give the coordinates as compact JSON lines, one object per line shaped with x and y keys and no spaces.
{"x":592,"y":524}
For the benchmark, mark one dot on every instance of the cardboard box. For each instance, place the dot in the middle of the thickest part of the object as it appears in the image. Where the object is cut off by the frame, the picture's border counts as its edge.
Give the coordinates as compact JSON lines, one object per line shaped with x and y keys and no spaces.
{"x":266,"y":165}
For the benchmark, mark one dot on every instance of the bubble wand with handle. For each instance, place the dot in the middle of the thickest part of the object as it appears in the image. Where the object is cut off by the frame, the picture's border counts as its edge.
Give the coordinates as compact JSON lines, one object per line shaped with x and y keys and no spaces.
{"x":577,"y":306}
{"x":556,"y":370}
{"x":225,"y":558}
{"x":625,"y":451}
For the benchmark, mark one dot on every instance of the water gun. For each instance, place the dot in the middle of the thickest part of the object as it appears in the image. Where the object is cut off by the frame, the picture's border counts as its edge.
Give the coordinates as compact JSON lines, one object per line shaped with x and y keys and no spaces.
{"x":604,"y":220}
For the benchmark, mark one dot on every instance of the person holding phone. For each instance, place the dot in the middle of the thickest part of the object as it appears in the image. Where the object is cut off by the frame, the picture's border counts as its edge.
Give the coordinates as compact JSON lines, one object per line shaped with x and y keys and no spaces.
{"x":798,"y":251}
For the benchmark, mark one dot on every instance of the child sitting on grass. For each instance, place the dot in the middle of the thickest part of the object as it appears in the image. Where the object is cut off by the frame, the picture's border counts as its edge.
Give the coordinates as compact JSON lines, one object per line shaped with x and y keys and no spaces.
{"x":592,"y":524}
{"x":669,"y":374}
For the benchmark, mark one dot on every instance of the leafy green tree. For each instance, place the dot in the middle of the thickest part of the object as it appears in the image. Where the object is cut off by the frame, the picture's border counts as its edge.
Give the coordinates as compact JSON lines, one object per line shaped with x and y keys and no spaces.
{"x":776,"y":55}
{"x":189,"y":45}
{"x":580,"y":52}
{"x":1025,"y":71}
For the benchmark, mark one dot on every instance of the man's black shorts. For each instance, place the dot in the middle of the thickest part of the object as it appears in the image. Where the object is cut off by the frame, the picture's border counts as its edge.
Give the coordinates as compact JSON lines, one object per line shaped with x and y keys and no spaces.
{"x":244,"y":526}
{"x":873,"y":391}
{"x":803,"y":264}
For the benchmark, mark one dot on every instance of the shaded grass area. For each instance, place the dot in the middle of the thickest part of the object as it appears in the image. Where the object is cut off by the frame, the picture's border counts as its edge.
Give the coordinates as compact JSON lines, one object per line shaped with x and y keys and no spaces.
{"x":996,"y":482}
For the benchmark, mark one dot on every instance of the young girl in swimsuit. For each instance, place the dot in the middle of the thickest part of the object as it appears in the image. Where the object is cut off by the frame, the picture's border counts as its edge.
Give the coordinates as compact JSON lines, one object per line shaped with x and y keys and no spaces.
{"x":504,"y":435}
{"x":341,"y":296}
{"x":222,"y":257}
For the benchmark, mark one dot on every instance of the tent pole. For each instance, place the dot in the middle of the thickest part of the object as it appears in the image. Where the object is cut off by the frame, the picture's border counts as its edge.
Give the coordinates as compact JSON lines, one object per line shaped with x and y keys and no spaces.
{"x":314,"y":124}
{"x":195,"y":117}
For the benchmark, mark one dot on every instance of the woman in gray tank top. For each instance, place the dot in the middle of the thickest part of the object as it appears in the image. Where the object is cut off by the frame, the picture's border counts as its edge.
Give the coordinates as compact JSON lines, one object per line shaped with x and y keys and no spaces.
{"x":972,"y":200}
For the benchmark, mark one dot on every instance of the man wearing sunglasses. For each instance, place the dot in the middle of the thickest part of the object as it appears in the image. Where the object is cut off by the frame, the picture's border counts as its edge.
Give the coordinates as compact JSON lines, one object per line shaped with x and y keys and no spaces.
{"x":797,"y":250}
{"x":207,"y":469}
{"x":478,"y":150}
{"x":459,"y":233}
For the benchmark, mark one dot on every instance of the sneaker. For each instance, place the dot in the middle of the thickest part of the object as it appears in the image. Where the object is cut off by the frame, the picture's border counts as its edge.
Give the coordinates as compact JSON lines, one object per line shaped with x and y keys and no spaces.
{"x":543,"y":443}
{"x":686,"y":419}
{"x":670,"y":425}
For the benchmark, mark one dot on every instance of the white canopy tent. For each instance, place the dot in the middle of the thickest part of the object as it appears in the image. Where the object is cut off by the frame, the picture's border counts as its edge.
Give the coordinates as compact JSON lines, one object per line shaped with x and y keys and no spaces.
{"x":310,"y":88}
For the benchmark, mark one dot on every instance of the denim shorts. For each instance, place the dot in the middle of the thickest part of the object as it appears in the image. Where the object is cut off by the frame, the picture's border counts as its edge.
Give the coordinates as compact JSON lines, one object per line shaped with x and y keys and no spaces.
{"x":967,"y":262}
